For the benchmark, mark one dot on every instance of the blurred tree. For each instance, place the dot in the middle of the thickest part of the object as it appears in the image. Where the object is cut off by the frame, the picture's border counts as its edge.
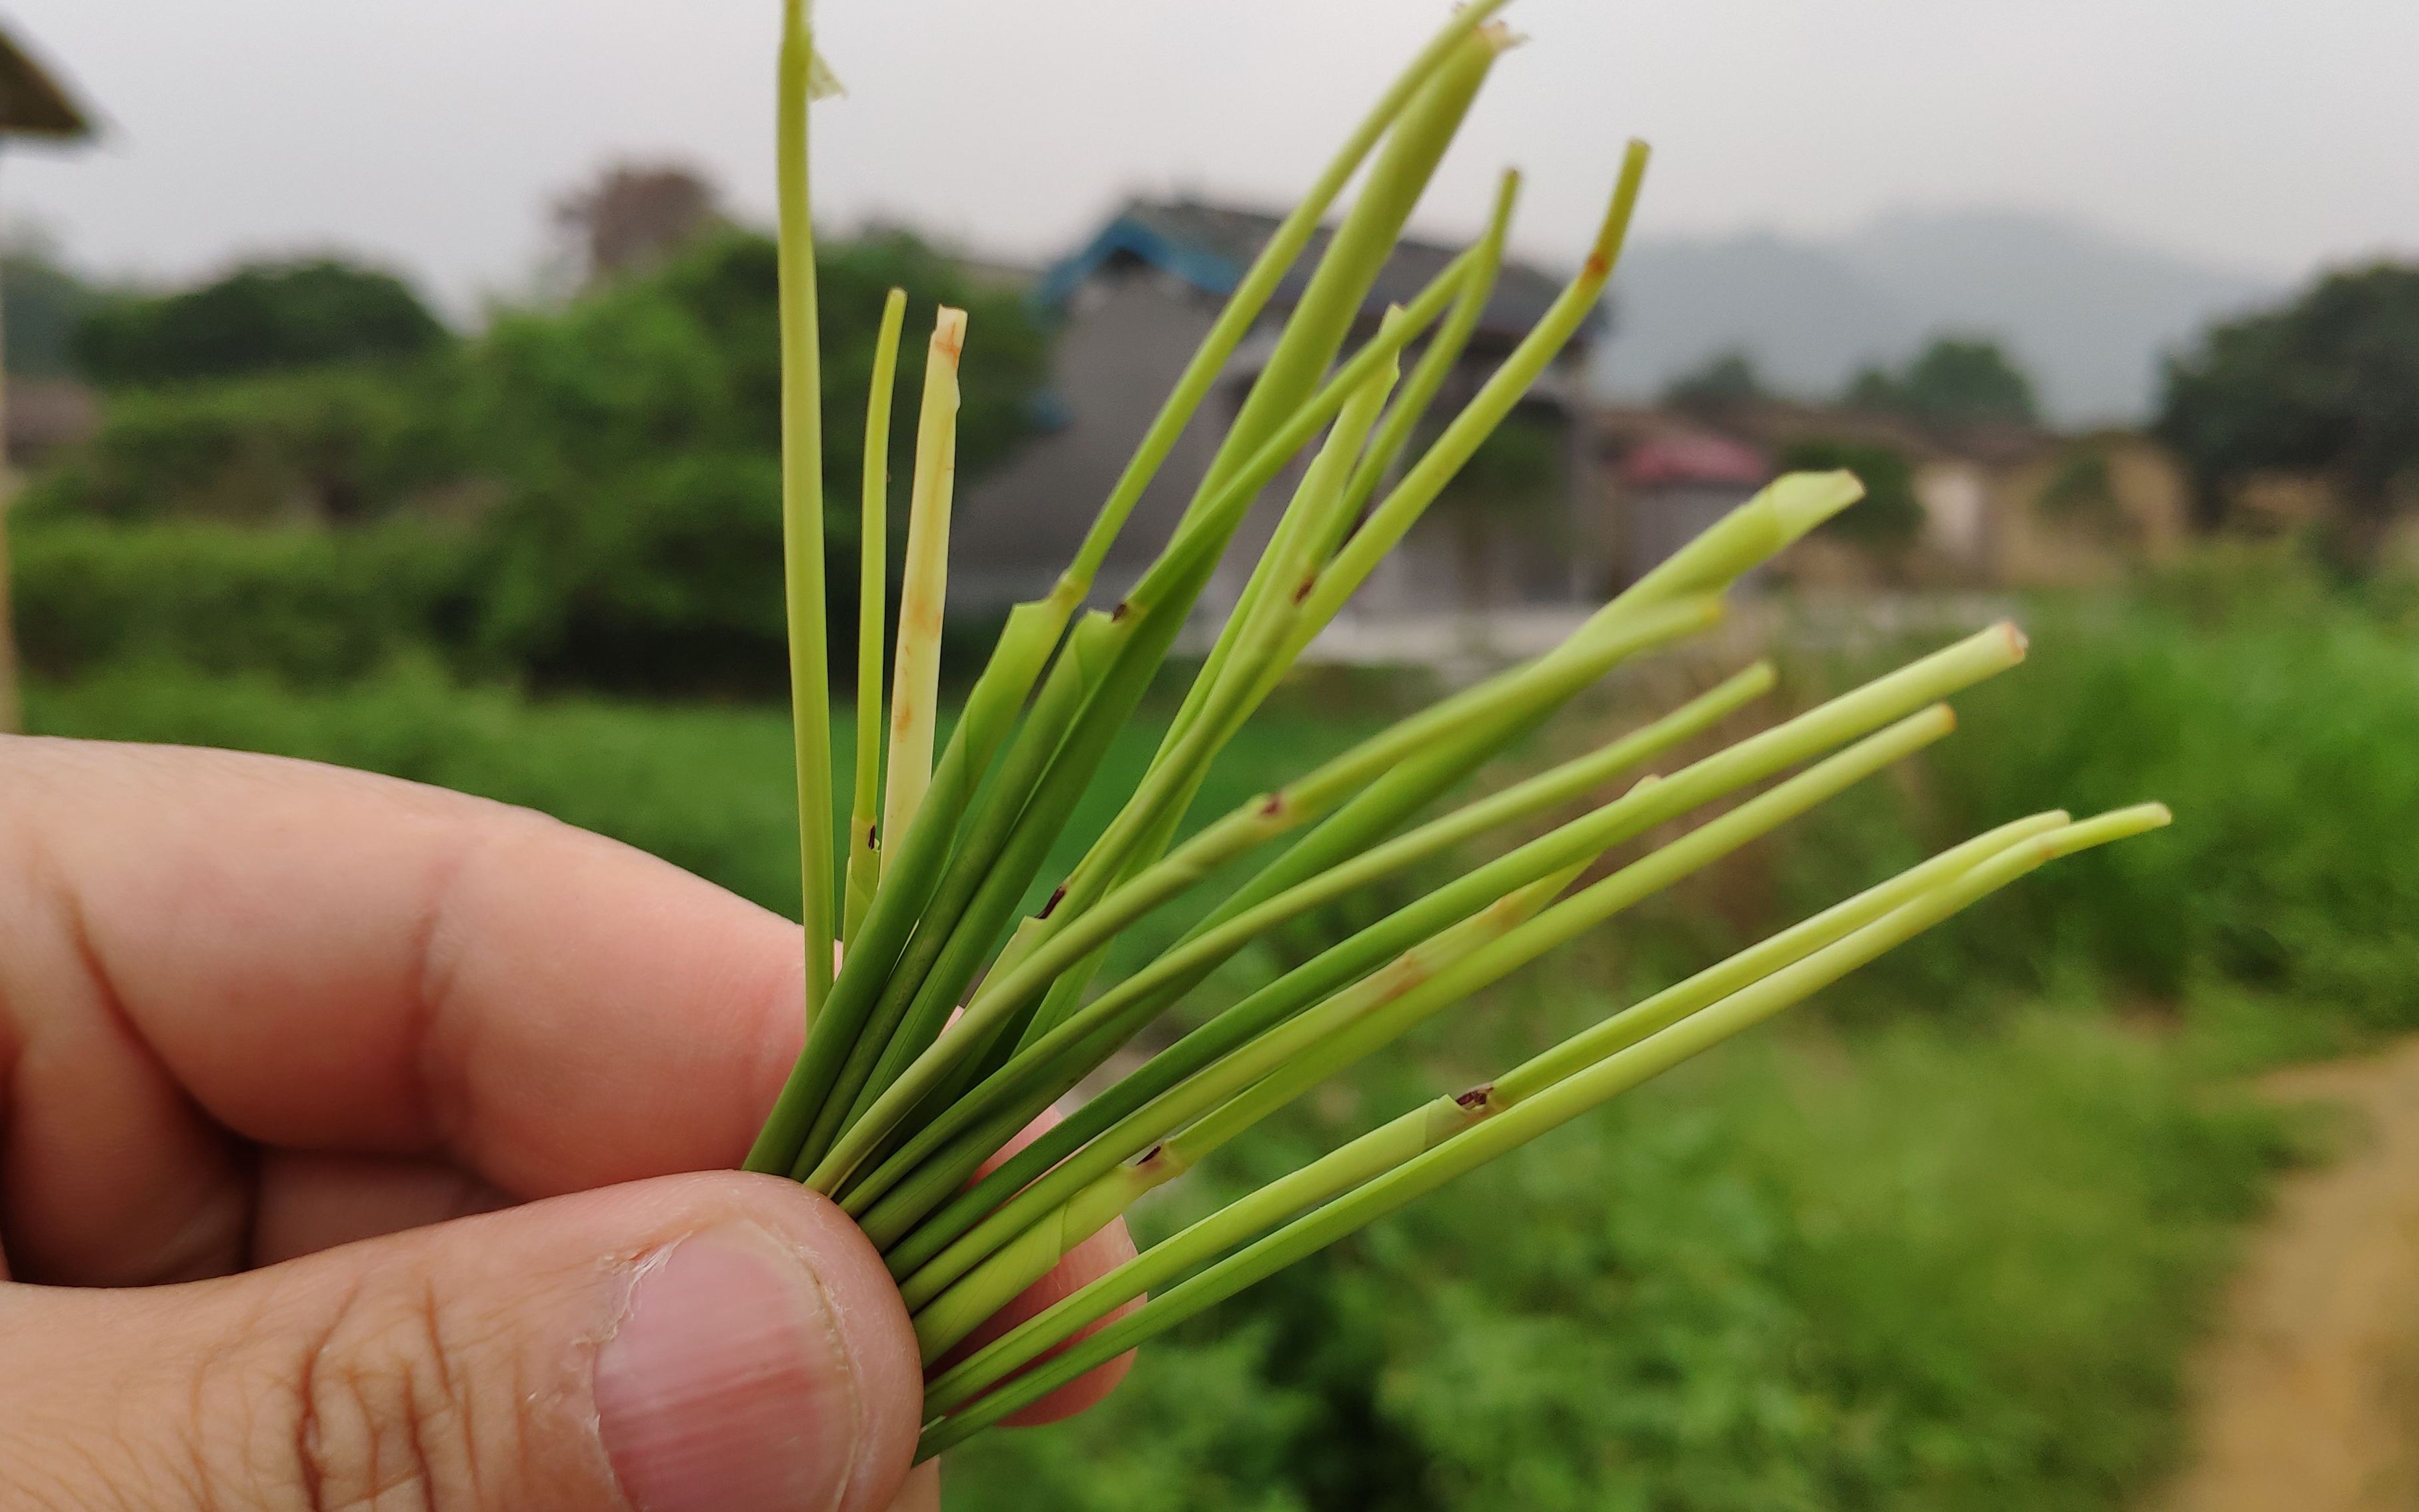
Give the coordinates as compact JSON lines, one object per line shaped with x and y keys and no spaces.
{"x":614,"y":459}
{"x":332,"y":446}
{"x":637,"y":216}
{"x":638,"y":432}
{"x":263,"y":318}
{"x":686,"y":359}
{"x":2329,"y":383}
{"x":1890,"y":517}
{"x":2082,"y":493}
{"x":1726,"y":381}
{"x":1956,"y":383}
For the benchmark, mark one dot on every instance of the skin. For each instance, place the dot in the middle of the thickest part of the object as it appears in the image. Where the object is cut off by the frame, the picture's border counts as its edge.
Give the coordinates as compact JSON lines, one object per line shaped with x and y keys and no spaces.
{"x":369,"y":1083}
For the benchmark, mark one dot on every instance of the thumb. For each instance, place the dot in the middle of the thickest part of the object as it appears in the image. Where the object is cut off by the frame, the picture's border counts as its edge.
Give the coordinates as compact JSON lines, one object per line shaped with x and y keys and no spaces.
{"x":721,"y":1341}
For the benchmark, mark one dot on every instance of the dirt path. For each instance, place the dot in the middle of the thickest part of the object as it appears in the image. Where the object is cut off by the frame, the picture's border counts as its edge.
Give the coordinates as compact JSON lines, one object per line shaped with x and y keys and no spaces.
{"x":2308,"y":1398}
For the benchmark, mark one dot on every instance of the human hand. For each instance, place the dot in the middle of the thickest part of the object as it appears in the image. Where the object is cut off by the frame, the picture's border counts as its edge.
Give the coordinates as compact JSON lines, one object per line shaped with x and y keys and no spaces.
{"x":282,"y":1048}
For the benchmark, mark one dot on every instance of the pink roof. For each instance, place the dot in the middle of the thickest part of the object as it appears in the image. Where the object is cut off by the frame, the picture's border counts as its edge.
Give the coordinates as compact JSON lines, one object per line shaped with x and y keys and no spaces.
{"x":1692,"y":457}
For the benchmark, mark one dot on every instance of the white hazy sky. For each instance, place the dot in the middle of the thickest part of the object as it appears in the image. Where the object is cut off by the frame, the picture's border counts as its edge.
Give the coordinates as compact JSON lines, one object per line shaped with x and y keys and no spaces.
{"x":431,"y":133}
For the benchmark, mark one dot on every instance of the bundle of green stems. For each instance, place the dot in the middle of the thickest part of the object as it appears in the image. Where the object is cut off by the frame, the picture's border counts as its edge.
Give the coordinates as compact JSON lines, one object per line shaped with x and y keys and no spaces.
{"x":950,"y":1024}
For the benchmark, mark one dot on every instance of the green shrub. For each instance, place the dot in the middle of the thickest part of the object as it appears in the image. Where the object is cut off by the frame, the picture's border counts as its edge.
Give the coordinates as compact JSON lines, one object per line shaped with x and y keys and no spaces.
{"x":2281,"y":737}
{"x":686,"y":361}
{"x":263,"y":318}
{"x":336,"y":446}
{"x":307,"y":605}
{"x":1938,"y":1271}
{"x":1889,"y":517}
{"x":666,"y":578}
{"x":600,"y":481}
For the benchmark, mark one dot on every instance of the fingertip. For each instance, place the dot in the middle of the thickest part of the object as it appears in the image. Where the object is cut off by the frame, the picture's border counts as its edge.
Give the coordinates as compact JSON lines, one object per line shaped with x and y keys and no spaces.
{"x":762,"y":1359}
{"x":872,"y":1321}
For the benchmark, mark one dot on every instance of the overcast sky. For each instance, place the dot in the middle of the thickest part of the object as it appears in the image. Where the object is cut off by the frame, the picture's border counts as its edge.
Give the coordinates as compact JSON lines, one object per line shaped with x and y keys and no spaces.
{"x":431,"y":133}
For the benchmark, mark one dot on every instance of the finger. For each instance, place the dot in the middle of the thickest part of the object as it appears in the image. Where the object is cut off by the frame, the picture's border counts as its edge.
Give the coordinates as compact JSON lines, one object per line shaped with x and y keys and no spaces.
{"x":723,"y":1342}
{"x":308,"y":1203}
{"x":323,"y":959}
{"x":922,"y":1492}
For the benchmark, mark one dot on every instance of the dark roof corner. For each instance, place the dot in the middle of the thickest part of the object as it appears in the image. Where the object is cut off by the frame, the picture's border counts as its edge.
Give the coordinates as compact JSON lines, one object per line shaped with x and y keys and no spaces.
{"x":34,"y":104}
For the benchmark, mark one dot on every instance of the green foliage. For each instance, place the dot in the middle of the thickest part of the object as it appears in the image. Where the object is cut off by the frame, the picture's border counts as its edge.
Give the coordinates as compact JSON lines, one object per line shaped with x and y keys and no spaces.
{"x":2237,"y":711}
{"x":2081,"y":492}
{"x":685,"y":360}
{"x":639,"y":432}
{"x":667,"y":577}
{"x":1726,"y":381}
{"x":1889,"y":517}
{"x":2328,"y":383}
{"x":1884,"y":1285}
{"x":602,"y":480}
{"x":303,"y":604}
{"x":1752,"y":1286}
{"x":263,"y":318}
{"x":332,"y":445}
{"x":1956,"y":383}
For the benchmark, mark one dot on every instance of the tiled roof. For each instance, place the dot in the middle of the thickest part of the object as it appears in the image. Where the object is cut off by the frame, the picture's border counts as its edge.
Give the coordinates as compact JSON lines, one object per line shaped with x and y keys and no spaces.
{"x":1693,"y":457}
{"x":1211,"y":246}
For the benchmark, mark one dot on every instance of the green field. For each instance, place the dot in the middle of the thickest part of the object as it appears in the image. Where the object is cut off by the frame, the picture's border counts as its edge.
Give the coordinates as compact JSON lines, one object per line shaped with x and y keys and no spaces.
{"x":1938,"y":1242}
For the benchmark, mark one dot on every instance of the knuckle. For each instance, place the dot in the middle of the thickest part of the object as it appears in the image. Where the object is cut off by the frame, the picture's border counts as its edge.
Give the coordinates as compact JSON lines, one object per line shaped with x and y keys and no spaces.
{"x":376,"y":1414}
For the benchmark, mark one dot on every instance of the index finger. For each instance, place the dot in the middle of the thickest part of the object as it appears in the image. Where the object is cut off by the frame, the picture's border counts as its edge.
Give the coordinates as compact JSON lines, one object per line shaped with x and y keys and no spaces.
{"x":326,"y":960}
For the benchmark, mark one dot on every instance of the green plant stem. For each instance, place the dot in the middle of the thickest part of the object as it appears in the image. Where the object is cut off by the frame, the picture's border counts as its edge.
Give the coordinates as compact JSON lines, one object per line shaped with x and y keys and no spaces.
{"x":913,"y":862}
{"x":1014,"y":983}
{"x":872,"y":588}
{"x":802,"y":508}
{"x":1175,"y":972}
{"x":1317,"y":603}
{"x":1554,"y":1106}
{"x":1330,"y":301}
{"x":1452,"y":451}
{"x":1448,"y":742}
{"x":915,"y":689}
{"x":1253,"y":1082}
{"x":877,"y":972}
{"x":1135,"y":640}
{"x":1424,"y":1127}
{"x":1442,"y":355}
{"x":1848,"y":716}
{"x":1229,"y":1029}
{"x":1038,"y":1235}
{"x":1258,"y":285}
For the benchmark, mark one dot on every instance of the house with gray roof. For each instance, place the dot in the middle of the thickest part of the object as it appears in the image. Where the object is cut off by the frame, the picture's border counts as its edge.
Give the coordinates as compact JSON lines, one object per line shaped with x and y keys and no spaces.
{"x":1131,"y":307}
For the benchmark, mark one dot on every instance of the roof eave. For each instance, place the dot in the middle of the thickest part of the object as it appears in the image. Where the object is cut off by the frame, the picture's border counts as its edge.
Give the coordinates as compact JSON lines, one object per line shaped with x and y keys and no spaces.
{"x":34,"y":103}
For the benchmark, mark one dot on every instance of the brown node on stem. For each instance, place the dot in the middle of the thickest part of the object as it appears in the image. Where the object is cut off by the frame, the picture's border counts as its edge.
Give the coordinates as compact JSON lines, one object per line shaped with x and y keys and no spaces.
{"x":1055,"y":897}
{"x":1477,"y":1096}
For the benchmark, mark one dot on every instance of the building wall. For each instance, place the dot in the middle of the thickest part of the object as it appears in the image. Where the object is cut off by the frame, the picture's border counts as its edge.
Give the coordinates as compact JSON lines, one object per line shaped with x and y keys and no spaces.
{"x":1126,"y":336}
{"x":1125,"y":339}
{"x":2135,"y":508}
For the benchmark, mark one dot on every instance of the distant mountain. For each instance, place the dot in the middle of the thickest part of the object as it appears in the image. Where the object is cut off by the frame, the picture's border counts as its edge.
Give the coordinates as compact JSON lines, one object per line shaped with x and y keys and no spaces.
{"x":2085,"y":313}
